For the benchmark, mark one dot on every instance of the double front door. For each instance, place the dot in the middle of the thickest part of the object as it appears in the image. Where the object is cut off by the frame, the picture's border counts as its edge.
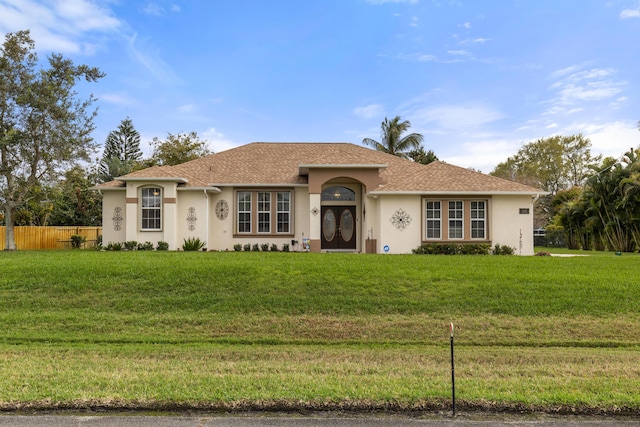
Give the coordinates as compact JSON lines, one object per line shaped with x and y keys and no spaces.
{"x":339,"y":227}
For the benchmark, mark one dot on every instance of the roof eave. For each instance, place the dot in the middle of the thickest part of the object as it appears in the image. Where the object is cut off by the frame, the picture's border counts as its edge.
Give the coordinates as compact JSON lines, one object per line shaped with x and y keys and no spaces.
{"x":457,"y":193}
{"x":155,"y":179}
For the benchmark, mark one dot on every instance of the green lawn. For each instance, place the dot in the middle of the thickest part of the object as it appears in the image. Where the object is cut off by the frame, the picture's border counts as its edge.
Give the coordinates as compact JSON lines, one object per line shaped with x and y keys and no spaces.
{"x":300,"y":330}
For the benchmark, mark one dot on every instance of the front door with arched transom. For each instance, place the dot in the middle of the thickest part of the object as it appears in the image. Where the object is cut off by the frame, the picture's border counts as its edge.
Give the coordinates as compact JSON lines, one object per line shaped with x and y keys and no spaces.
{"x":338,"y":227}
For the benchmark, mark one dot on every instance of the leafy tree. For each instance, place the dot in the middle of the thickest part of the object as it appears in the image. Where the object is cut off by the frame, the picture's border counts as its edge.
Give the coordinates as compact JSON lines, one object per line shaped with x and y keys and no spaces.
{"x":392,"y":141}
{"x":179,"y":148}
{"x":74,"y":202}
{"x":420,"y":156}
{"x":121,"y":151}
{"x":551,"y":164}
{"x":44,"y":126}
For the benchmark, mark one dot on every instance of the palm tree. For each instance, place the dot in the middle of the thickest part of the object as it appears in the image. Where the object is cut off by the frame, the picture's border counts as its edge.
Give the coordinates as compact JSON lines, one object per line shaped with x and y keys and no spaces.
{"x":392,"y":140}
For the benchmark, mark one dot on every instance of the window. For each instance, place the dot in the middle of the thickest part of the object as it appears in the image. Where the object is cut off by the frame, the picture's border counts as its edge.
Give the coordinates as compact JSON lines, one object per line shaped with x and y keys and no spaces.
{"x":264,"y":212}
{"x":271,"y":212}
{"x":434,"y":220}
{"x":478,"y":220}
{"x":283,"y":211}
{"x":456,"y":220}
{"x":244,"y":212}
{"x":338,"y":194}
{"x":151,"y":209}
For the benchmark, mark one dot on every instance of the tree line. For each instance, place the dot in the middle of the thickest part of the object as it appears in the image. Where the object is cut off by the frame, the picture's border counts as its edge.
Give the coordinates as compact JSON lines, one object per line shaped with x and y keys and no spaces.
{"x":593,"y":201}
{"x":45,"y":133}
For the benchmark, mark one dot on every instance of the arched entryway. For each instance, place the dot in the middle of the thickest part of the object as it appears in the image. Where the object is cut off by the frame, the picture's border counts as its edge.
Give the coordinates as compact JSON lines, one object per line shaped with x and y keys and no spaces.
{"x":338,"y":218}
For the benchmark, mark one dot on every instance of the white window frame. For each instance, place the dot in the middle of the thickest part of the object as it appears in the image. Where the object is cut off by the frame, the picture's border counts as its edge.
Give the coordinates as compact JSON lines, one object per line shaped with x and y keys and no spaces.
{"x":151,"y":209}
{"x":264,"y":212}
{"x":458,"y":218}
{"x":478,"y":218}
{"x":241,"y":209}
{"x":433,"y":216}
{"x":283,"y":212}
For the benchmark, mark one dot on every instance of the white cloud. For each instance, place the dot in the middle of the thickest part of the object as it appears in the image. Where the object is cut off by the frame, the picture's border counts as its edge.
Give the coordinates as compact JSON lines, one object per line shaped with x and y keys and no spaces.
{"x":611,"y":139}
{"x":466,"y":25}
{"x":575,"y":86}
{"x":65,"y":26}
{"x":217,"y":141}
{"x":187,"y":108}
{"x":392,"y":1}
{"x":150,"y":59}
{"x":370,"y":111}
{"x":468,"y":117}
{"x":117,"y":98}
{"x":630,"y":13}
{"x":483,"y":154}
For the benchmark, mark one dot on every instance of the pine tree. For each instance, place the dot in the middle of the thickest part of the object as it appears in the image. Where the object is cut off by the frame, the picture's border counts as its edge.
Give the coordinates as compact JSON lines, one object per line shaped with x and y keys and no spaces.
{"x":121,"y":151}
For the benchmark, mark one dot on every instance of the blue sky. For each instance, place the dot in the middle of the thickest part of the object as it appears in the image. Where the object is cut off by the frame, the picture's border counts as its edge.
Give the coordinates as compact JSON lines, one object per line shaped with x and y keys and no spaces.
{"x":478,"y":78}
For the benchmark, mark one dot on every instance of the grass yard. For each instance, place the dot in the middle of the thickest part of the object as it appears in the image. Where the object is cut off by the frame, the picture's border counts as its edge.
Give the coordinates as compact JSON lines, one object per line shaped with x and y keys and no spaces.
{"x":171,"y":330}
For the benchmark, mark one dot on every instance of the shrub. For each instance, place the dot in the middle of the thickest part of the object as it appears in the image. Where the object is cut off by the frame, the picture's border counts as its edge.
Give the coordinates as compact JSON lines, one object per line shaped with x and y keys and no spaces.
{"x":193,"y":244}
{"x":247,"y":247}
{"x":114,"y":246}
{"x":453,"y":249}
{"x":255,"y":247}
{"x":541,"y":253}
{"x":285,"y":247}
{"x":274,"y":248}
{"x":162,"y":246}
{"x":502,"y":250}
{"x":99,"y":241}
{"x":264,"y":247}
{"x":237,"y":247}
{"x":77,"y":240}
{"x":131,"y":245}
{"x":146,"y":246}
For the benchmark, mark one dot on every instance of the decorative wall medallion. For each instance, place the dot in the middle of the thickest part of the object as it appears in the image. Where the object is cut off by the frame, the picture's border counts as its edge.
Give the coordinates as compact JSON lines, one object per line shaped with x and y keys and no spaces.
{"x":191,"y":219}
{"x":401,"y":219}
{"x":117,"y":218}
{"x":222,"y":209}
{"x":315,"y":211}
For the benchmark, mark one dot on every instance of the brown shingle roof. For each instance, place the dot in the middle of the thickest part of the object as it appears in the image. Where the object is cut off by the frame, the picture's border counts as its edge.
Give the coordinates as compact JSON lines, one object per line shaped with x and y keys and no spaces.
{"x":261,"y":163}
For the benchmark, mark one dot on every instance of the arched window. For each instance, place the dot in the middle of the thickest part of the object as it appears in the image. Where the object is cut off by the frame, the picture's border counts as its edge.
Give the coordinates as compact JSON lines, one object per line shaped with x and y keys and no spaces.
{"x":338,"y":194}
{"x":151,"y":208}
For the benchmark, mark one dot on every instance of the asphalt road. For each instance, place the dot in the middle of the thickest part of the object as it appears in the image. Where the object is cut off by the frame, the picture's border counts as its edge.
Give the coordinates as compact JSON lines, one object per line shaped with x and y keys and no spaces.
{"x":299,"y":421}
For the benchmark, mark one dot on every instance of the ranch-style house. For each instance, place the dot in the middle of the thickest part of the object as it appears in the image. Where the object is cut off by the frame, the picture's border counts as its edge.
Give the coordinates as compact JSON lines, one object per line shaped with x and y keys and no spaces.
{"x":319,"y":197}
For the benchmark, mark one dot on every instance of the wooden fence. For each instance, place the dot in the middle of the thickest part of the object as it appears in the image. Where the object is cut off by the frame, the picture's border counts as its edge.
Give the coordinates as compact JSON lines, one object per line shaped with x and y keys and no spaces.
{"x":50,"y":237}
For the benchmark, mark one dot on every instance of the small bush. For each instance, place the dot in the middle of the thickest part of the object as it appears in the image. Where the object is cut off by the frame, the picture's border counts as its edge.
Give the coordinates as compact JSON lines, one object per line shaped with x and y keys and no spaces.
{"x":255,"y":247}
{"x":77,"y":240}
{"x":285,"y":247}
{"x":114,"y":246}
{"x":146,"y":246}
{"x":541,"y":253}
{"x":503,"y":250}
{"x":247,"y":247}
{"x":274,"y":248}
{"x":453,"y":249}
{"x":131,"y":245}
{"x":193,"y":244}
{"x":264,"y":247}
{"x":237,"y":247}
{"x":162,"y":246}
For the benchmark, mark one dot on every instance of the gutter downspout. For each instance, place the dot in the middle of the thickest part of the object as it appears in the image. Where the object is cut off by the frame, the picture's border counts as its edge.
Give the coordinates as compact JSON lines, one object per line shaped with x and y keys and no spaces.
{"x":206,"y":215}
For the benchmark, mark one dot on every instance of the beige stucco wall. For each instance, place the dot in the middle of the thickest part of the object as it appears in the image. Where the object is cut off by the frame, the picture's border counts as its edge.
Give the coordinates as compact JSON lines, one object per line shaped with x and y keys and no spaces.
{"x":399,"y":241}
{"x":508,"y":226}
{"x":196,"y":200}
{"x":221,"y":232}
{"x":113,"y":230}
